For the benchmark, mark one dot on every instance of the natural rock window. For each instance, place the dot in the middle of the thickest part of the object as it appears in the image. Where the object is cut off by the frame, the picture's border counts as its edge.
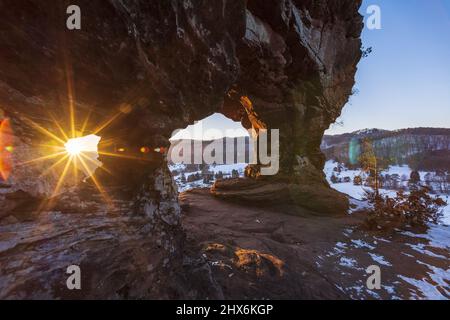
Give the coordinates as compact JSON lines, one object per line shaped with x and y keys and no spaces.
{"x":213,"y":138}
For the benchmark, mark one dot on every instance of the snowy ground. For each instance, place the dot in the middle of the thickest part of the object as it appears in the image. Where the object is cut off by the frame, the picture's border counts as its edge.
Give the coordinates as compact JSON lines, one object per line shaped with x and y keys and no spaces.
{"x":418,"y":266}
{"x":357,"y":192}
{"x":436,"y":283}
{"x":226,"y":169}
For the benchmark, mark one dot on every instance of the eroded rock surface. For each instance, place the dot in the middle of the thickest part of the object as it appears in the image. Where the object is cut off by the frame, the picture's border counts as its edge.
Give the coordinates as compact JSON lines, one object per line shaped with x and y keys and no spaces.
{"x":267,"y":253}
{"x":153,"y":67}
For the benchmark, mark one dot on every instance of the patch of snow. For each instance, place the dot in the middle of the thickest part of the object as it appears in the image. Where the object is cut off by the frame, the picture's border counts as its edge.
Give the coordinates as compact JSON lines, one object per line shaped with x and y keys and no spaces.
{"x":358,"y":205}
{"x":228,"y":168}
{"x":177,"y":166}
{"x":428,"y":290}
{"x":362,"y":244}
{"x":348,"y":262}
{"x":400,"y":170}
{"x":382,"y":239}
{"x":389,"y":289}
{"x":341,"y":245}
{"x":374,"y":294}
{"x":421,"y":248}
{"x":439,"y":276}
{"x":437,"y":235}
{"x":446,"y":212}
{"x":380,"y":260}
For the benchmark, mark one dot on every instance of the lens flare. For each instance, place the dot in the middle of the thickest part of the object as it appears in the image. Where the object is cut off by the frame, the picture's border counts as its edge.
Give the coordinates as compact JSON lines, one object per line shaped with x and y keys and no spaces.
{"x":77,"y":146}
{"x":64,"y":147}
{"x":354,"y":151}
{"x":73,"y":147}
{"x":6,"y":149}
{"x":69,"y":150}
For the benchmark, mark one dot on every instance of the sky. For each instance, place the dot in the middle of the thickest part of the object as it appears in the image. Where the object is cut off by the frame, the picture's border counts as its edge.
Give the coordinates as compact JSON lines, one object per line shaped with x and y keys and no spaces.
{"x":214,"y":127}
{"x":403,"y":83}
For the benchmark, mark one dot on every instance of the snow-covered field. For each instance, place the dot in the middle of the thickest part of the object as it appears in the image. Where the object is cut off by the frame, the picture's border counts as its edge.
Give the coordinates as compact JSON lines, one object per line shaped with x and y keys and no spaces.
{"x":357,"y":192}
{"x":437,"y":279}
{"x":421,"y":249}
{"x":226,"y":169}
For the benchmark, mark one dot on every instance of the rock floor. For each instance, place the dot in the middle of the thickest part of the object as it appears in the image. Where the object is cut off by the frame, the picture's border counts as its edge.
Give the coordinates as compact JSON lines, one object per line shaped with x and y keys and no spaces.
{"x":263,"y":253}
{"x":229,"y":251}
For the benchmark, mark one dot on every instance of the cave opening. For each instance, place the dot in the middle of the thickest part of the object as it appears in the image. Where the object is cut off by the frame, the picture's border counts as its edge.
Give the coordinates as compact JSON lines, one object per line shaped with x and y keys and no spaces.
{"x":84,"y":153}
{"x":214,"y":148}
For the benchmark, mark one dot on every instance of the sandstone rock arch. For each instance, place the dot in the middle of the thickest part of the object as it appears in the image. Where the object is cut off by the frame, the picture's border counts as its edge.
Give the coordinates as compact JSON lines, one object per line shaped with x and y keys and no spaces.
{"x":168,"y":63}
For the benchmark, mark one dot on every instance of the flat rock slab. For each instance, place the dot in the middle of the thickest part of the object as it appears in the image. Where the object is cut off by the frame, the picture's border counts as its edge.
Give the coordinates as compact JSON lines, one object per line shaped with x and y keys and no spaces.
{"x":257,"y":253}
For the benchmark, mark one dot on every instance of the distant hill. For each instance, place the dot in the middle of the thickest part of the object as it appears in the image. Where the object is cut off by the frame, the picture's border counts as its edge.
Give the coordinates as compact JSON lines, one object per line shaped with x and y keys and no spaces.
{"x":421,"y":148}
{"x":200,"y":145}
{"x":192,"y":176}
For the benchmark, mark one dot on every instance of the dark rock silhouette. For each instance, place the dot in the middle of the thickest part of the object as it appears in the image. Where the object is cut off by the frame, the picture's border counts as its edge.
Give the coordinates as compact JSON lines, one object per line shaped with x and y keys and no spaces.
{"x":160,"y":65}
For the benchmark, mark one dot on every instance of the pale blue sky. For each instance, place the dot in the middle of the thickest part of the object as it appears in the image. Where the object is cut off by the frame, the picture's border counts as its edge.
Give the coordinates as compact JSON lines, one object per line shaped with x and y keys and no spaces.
{"x":405,"y":82}
{"x":214,"y":127}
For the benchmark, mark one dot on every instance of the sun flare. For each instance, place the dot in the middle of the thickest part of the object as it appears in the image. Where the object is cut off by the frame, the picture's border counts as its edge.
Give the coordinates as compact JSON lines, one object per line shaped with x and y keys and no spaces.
{"x":72,"y":151}
{"x":73,"y":147}
{"x":77,"y":146}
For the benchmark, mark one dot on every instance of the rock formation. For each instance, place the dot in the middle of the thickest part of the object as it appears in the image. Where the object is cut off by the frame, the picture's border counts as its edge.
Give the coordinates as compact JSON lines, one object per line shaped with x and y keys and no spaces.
{"x":153,"y":67}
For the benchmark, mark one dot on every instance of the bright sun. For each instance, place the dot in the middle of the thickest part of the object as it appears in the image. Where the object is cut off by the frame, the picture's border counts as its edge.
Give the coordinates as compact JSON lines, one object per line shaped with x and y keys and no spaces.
{"x":73,"y":150}
{"x":77,"y":146}
{"x":73,"y":147}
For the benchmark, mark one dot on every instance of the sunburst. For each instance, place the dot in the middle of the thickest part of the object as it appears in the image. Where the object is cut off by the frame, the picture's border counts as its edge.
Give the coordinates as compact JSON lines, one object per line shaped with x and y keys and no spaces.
{"x":65,"y":147}
{"x":72,"y":149}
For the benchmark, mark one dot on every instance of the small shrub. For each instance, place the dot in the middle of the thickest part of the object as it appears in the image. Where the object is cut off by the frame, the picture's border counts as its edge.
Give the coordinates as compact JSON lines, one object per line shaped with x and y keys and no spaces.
{"x":334,"y":179}
{"x":417,"y":207}
{"x":357,"y":181}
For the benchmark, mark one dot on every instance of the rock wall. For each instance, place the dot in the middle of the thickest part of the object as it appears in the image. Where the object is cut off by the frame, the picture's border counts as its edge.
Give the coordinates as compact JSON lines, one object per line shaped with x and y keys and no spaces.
{"x":156,"y":66}
{"x":298,"y":61}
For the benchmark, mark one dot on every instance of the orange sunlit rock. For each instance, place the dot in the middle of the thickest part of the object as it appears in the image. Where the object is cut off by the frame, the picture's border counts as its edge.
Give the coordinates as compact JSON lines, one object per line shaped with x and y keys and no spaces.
{"x":6,"y":149}
{"x":253,"y":117}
